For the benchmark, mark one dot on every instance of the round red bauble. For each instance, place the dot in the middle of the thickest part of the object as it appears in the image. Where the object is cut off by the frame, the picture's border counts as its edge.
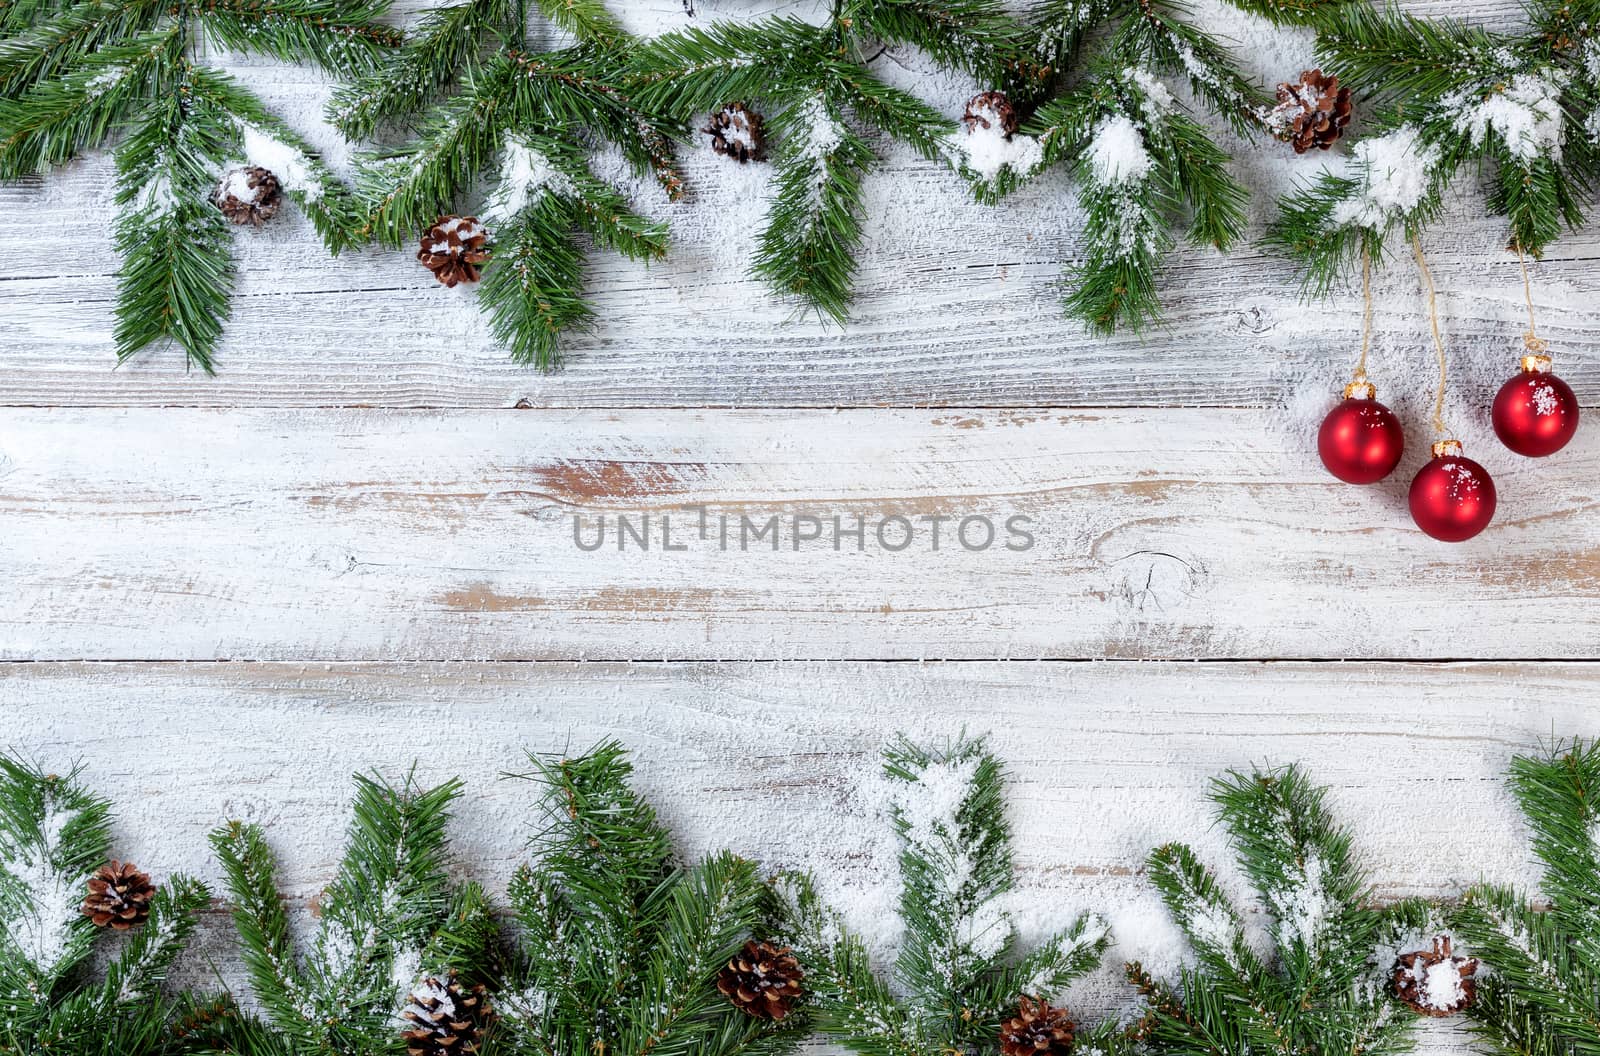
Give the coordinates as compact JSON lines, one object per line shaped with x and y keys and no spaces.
{"x":1452,"y":497}
{"x":1535,"y":413}
{"x":1361,"y":440}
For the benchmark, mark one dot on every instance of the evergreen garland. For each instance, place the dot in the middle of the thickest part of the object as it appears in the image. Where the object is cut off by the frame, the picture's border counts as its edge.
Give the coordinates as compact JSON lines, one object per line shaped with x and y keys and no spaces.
{"x":1142,"y":164}
{"x":958,"y":976}
{"x":619,"y":946}
{"x":492,"y":105}
{"x":1521,"y":109}
{"x":1091,"y":80}
{"x":1324,"y":989}
{"x":77,"y":74}
{"x":619,"y":949}
{"x":1542,"y":995}
{"x":815,"y":88}
{"x":54,"y":835}
{"x":391,"y":923}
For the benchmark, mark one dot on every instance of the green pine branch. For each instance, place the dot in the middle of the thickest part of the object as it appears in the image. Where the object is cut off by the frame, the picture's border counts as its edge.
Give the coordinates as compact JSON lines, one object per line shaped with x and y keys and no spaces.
{"x":1295,"y":12}
{"x":444,"y":47}
{"x":60,"y":119}
{"x":1560,"y":795}
{"x":338,"y":35}
{"x":177,"y":270}
{"x":588,"y":20}
{"x":528,"y":286}
{"x":54,"y":834}
{"x":698,"y":69}
{"x":619,"y":945}
{"x":524,"y":121}
{"x":813,"y":86}
{"x":958,"y":975}
{"x":1516,"y":106}
{"x":1540,"y":993}
{"x":1143,"y":166}
{"x":1389,"y":51}
{"x":977,"y":37}
{"x":1161,"y":38}
{"x":1395,"y":190}
{"x":81,"y":76}
{"x":58,"y":43}
{"x":258,"y":134}
{"x":1323,"y":989}
{"x":389,"y":919}
{"x":808,"y":248}
{"x":258,"y":915}
{"x":18,"y":15}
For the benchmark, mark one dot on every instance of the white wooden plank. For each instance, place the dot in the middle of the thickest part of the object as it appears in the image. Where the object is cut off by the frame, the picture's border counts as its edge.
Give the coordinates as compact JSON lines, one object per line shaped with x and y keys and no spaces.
{"x":775,"y":761}
{"x":958,"y":303}
{"x":354,"y":535}
{"x":959,"y":306}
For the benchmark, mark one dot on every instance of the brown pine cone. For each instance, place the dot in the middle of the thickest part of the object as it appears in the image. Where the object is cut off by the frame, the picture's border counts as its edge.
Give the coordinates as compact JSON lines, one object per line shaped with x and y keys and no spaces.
{"x":989,"y":109}
{"x":1436,"y":983}
{"x":205,"y":1025}
{"x":448,"y":1019}
{"x":763,"y":980}
{"x":453,"y":248}
{"x":1037,"y":1030}
{"x":736,"y":132}
{"x":119,"y":896}
{"x":249,"y":196}
{"x":1311,"y":112}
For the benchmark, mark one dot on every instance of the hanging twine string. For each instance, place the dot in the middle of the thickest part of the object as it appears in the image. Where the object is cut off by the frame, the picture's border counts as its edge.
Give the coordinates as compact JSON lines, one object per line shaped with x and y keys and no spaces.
{"x":1438,"y":342}
{"x":1360,"y":375}
{"x":1536,"y":345}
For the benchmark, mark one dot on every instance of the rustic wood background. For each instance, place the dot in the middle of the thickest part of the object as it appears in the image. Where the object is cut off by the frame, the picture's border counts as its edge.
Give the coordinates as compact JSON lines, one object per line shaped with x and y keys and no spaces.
{"x":354,"y":547}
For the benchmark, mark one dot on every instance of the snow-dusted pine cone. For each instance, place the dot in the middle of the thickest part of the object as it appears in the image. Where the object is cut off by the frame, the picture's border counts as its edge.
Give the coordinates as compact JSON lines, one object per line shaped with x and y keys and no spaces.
{"x":988,"y":110}
{"x":453,"y":248}
{"x":249,"y":196}
{"x":1311,"y":112}
{"x":119,"y":896}
{"x":448,"y":1019}
{"x":1436,"y":983}
{"x":763,"y":980}
{"x":1037,"y":1030}
{"x":736,"y":132}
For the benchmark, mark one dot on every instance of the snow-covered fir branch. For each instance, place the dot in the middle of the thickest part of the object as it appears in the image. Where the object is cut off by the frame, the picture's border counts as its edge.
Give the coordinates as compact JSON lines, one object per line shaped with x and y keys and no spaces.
{"x":393,"y":927}
{"x":1538,"y":994}
{"x":819,"y":97}
{"x":1448,"y":97}
{"x":623,"y":949}
{"x":80,"y":77}
{"x":1100,"y":102}
{"x":1312,"y":990}
{"x":959,"y":983}
{"x":525,"y":121}
{"x":58,"y":895}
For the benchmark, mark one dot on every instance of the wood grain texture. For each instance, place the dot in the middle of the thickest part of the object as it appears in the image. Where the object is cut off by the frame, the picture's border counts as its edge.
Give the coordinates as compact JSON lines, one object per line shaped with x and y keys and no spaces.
{"x":776,"y":762}
{"x":357,"y":535}
{"x":958,"y":306}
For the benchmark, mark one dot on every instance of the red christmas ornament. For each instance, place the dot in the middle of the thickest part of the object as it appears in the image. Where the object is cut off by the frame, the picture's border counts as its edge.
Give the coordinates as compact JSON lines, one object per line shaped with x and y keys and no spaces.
{"x":1452,"y":497}
{"x":1535,"y":412}
{"x":1361,"y":440}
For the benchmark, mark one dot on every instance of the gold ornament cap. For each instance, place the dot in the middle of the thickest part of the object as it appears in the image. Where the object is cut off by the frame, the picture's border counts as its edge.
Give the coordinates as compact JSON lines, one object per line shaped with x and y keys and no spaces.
{"x":1447,"y":449}
{"x":1536,"y":363}
{"x":1360,"y":389}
